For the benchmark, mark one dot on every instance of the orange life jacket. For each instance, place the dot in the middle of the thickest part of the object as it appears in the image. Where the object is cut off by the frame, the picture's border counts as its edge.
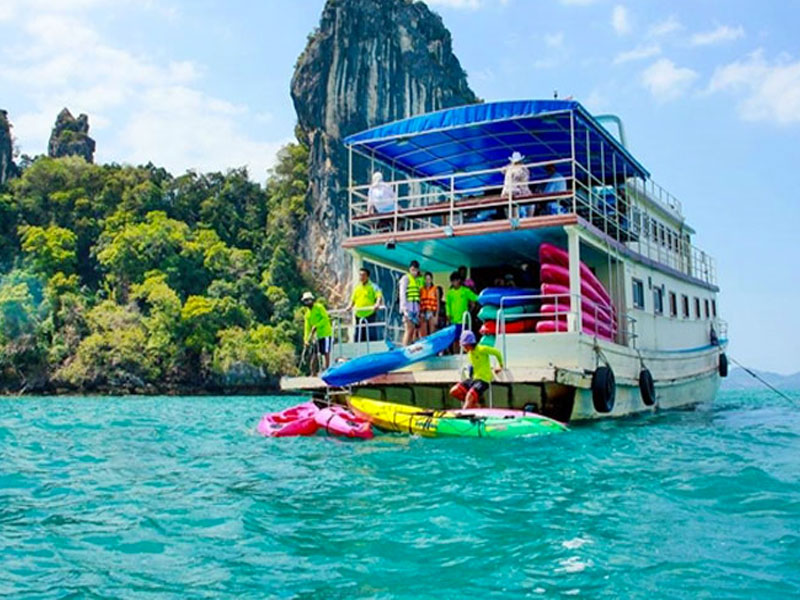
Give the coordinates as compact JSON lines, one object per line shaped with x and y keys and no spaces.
{"x":428,"y":298}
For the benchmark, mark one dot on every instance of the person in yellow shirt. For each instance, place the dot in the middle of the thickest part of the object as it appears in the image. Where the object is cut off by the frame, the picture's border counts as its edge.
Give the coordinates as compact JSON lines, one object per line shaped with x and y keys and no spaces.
{"x":470,"y":391}
{"x":365,"y":299}
{"x":317,"y":323}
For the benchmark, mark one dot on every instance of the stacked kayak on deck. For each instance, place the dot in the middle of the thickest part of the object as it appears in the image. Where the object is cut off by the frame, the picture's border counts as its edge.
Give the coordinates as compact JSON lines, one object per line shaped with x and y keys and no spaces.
{"x":476,"y":422}
{"x":517,"y":305}
{"x":598,"y":315}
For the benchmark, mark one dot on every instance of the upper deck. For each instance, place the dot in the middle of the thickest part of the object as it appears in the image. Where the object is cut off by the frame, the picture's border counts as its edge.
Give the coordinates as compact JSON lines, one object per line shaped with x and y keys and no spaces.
{"x":447,"y":170}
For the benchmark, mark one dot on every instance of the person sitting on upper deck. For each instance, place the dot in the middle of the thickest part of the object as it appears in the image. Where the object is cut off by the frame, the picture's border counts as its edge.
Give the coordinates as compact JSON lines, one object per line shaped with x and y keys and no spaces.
{"x":553,"y":184}
{"x":381,"y":198}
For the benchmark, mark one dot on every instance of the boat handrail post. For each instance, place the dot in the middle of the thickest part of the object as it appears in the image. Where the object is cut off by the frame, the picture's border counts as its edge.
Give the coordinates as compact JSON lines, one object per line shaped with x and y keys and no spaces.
{"x":572,"y":160}
{"x":574,"y":249}
{"x":466,"y":325}
{"x":452,"y":198}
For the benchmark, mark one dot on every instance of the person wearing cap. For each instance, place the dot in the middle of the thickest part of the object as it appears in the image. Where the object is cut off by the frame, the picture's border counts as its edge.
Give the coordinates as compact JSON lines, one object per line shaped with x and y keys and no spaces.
{"x":465,"y":278}
{"x":470,"y":391}
{"x":365,"y":299}
{"x":410,"y":285}
{"x":317,"y":322}
{"x":516,"y":180}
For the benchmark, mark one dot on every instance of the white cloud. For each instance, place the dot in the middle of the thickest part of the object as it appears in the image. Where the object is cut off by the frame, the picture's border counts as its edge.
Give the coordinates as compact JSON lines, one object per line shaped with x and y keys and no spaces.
{"x":140,"y":109}
{"x":182,"y":128}
{"x":723,"y":33}
{"x":639,"y":53}
{"x":770,"y":91}
{"x":554,"y":40}
{"x":578,"y":2}
{"x":620,"y":20}
{"x":666,"y":81}
{"x":665,"y":27}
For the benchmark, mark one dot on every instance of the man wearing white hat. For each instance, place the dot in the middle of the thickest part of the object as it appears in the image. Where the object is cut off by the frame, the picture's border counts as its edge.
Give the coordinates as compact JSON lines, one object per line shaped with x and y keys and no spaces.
{"x":516,"y":180}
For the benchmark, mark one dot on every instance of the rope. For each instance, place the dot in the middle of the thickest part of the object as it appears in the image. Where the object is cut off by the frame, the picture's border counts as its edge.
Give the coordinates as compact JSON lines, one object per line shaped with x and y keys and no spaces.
{"x":761,"y":379}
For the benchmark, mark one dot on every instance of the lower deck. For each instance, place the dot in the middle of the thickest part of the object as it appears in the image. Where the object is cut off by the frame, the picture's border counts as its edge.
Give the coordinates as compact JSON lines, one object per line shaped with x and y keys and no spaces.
{"x":553,"y":375}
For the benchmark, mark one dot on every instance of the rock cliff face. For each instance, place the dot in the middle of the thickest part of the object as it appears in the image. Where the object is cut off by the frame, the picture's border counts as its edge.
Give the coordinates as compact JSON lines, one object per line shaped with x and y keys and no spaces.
{"x":7,"y":167}
{"x":70,"y":137}
{"x":368,"y":63}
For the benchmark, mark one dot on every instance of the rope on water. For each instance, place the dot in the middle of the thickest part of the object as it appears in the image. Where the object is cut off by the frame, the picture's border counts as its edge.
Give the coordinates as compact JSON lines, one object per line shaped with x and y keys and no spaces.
{"x":759,"y":378}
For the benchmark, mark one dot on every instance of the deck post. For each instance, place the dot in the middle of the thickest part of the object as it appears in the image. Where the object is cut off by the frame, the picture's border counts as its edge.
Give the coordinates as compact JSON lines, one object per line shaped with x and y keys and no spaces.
{"x":572,"y":161}
{"x":350,"y":189}
{"x":574,"y":318}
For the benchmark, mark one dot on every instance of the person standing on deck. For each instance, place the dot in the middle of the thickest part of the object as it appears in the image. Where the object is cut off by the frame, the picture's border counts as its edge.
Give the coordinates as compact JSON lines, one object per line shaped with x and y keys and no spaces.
{"x":470,"y":391}
{"x":317,"y":323}
{"x":465,"y":278}
{"x":366,"y":299}
{"x":457,"y":301}
{"x":410,"y":285}
{"x":515,"y":183}
{"x":428,"y":306}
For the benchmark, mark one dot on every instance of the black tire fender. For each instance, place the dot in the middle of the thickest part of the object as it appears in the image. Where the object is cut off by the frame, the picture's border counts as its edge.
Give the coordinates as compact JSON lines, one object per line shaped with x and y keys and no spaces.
{"x":723,"y":365}
{"x":604,"y":389}
{"x":647,"y":387}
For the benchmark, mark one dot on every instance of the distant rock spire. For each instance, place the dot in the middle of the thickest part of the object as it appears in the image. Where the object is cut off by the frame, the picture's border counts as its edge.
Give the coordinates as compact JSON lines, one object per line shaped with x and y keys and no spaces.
{"x":7,"y":167}
{"x":369,"y":62}
{"x":70,"y":137}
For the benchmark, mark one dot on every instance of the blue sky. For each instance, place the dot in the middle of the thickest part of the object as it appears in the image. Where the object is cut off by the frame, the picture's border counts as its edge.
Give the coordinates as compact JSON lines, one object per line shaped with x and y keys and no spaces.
{"x":709,"y":92}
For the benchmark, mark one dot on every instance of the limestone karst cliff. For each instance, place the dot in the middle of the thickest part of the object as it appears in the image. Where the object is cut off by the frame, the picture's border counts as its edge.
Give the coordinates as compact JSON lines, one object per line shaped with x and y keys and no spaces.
{"x":368,"y":62}
{"x":70,"y":137}
{"x":7,"y":167}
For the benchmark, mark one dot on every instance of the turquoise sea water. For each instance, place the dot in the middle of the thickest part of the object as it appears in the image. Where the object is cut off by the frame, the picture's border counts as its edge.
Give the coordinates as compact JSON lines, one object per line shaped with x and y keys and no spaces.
{"x":178,"y":497}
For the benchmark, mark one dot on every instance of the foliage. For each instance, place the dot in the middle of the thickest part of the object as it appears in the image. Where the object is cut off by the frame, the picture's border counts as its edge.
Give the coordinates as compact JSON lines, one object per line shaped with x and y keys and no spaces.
{"x":121,"y":277}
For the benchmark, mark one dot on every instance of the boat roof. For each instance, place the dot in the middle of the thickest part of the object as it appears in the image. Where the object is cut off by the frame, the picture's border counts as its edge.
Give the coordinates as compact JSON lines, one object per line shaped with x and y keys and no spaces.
{"x":482,"y":136}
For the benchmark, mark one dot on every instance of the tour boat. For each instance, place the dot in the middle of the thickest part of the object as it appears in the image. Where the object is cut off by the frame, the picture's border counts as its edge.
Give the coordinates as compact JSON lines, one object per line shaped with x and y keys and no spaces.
{"x":621,"y":309}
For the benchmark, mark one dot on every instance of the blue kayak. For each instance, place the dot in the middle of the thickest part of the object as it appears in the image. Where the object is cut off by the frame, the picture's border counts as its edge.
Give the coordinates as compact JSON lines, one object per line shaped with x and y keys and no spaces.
{"x":365,"y":367}
{"x":492,"y":296}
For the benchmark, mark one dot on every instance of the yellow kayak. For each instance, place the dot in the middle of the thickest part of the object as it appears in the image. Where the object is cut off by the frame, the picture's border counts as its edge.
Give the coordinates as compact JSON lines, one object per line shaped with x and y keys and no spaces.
{"x":477,"y":422}
{"x":387,"y":415}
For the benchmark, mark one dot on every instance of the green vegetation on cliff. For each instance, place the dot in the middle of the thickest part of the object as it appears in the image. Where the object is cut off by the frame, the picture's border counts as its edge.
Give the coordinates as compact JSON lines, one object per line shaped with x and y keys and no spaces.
{"x":127,"y":278}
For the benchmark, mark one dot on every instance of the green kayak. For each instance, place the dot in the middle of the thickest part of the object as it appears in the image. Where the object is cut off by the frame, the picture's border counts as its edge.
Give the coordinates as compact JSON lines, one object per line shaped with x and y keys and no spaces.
{"x":497,"y":427}
{"x":489,"y":313}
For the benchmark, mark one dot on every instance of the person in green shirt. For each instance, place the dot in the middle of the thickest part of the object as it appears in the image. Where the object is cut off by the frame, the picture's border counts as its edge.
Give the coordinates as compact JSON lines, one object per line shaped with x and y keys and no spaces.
{"x":458,"y":298}
{"x":317,"y":323}
{"x":366,"y":299}
{"x":470,"y":391}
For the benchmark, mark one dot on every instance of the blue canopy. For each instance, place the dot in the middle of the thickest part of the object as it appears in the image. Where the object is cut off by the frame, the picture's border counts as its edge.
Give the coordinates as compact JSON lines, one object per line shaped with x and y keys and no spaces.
{"x":483,"y":136}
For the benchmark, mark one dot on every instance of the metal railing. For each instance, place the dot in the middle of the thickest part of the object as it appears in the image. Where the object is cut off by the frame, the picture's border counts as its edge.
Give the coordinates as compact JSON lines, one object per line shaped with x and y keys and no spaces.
{"x":624,"y":209}
{"x":351,"y":329}
{"x":563,"y":315}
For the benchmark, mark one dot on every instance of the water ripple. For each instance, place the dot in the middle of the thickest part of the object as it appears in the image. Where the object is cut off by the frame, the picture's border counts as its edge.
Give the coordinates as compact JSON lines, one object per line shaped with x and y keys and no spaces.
{"x":176,"y":497}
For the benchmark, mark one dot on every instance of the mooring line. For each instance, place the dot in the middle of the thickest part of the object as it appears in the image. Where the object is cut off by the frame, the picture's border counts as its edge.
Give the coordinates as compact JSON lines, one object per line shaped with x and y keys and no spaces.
{"x":761,"y":379}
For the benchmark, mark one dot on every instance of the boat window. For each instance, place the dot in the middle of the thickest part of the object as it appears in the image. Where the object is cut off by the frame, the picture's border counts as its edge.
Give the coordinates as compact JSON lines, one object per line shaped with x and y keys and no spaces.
{"x":708,"y":313}
{"x":685,"y":302}
{"x":638,"y":293}
{"x":714,"y":308}
{"x":658,"y":300}
{"x":673,"y":304}
{"x":697,"y":308}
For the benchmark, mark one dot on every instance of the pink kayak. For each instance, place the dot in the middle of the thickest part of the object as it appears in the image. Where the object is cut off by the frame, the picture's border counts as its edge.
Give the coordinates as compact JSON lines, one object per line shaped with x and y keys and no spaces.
{"x":556,"y":292}
{"x":552,"y":326}
{"x":560,"y":275}
{"x":337,"y":420}
{"x":589,"y":319}
{"x":294,"y":421}
{"x":549,"y":254}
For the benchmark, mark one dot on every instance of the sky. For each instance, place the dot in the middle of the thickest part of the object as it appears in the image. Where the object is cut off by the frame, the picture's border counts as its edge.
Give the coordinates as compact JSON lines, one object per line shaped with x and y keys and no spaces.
{"x":709,"y":92}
